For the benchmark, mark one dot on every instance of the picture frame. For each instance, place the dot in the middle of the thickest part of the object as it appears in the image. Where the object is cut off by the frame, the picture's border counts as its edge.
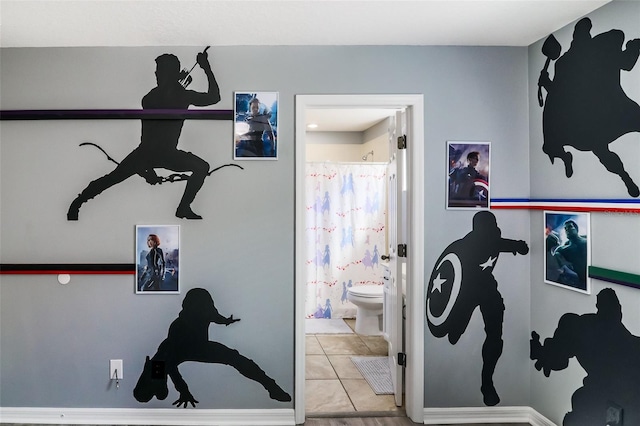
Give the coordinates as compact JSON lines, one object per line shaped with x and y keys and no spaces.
{"x":157,"y":259}
{"x":255,"y":126}
{"x":567,"y":243}
{"x":468,"y":175}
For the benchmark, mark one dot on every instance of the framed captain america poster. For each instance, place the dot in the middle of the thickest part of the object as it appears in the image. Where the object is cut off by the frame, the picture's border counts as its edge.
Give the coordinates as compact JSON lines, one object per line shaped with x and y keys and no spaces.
{"x":468,"y":169}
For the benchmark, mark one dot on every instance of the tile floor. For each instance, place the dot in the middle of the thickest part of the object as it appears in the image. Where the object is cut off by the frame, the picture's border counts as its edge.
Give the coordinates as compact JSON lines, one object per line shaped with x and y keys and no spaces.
{"x":332,"y":382}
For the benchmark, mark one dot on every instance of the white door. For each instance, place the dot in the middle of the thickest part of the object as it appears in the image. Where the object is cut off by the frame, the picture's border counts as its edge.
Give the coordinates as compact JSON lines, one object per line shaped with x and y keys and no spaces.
{"x":393,"y":314}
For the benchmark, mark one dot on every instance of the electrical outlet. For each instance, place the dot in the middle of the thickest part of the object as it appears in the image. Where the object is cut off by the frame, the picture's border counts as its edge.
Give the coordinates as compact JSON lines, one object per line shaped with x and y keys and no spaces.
{"x":614,"y":415}
{"x":115,"y":369}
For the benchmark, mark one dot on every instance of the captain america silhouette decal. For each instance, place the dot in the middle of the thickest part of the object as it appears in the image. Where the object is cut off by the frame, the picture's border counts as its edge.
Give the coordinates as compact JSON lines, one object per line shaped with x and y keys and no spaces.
{"x":586,"y":107}
{"x":461,"y":281}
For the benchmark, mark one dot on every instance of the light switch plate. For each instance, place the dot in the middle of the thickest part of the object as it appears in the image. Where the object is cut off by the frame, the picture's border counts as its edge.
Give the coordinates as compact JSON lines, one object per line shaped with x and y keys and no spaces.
{"x":115,"y":369}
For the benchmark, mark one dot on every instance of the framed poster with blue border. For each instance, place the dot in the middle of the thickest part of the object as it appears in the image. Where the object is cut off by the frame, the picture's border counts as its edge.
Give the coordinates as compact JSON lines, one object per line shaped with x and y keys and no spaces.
{"x":255,"y":126}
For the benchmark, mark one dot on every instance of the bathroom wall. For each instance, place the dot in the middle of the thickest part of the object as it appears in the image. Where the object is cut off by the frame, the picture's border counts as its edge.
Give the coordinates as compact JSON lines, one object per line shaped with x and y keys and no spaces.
{"x":350,"y":146}
{"x":334,"y":146}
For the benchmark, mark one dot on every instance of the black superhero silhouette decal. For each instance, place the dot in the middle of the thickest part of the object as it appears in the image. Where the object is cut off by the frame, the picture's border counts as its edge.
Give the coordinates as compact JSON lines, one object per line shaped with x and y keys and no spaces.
{"x":461,"y":281}
{"x":586,"y":108}
{"x":188,"y":340}
{"x":609,"y":354}
{"x":159,"y":140}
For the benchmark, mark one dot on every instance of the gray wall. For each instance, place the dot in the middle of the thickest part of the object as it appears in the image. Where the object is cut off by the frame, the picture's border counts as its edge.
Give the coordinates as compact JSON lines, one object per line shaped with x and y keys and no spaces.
{"x":479,"y":102}
{"x":57,"y":340}
{"x":615,"y":237}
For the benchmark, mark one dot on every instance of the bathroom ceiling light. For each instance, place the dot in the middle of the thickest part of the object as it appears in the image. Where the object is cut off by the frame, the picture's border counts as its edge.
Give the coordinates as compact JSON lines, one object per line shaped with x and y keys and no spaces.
{"x":312,"y":126}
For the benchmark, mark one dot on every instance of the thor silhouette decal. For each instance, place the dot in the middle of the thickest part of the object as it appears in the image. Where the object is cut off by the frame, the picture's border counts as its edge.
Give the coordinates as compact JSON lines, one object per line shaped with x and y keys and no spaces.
{"x":609,"y":354}
{"x":586,"y":108}
{"x":461,"y":281}
{"x":158,"y":144}
{"x":188,"y":340}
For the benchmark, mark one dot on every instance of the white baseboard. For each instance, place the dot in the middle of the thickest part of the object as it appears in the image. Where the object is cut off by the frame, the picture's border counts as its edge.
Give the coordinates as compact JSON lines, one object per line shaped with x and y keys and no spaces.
{"x":147,"y":416}
{"x":457,"y":415}
{"x":538,"y":419}
{"x":273,"y":417}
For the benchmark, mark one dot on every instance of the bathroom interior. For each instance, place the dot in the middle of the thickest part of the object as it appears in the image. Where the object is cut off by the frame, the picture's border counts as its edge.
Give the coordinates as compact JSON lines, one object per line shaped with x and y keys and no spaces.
{"x":347,"y":156}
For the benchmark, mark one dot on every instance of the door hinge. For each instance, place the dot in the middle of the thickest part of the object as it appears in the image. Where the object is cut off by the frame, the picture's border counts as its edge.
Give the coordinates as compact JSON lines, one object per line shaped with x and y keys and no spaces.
{"x":402,"y":359}
{"x":402,"y":250}
{"x":402,"y":142}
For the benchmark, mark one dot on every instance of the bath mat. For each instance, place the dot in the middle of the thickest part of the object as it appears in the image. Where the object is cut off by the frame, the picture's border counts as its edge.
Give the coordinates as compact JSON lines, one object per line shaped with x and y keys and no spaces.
{"x":375,"y":370}
{"x":326,"y":326}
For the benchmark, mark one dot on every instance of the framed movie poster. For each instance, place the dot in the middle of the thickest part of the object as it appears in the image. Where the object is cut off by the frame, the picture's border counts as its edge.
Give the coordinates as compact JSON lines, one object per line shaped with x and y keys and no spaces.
{"x":255,"y":126}
{"x":157,"y":259}
{"x":567,"y":250}
{"x":468,"y":170}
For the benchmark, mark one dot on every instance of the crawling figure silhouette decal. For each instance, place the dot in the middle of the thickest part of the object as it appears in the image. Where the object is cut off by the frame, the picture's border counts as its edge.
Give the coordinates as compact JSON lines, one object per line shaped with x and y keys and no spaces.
{"x":188,"y":340}
{"x":586,"y":108}
{"x":462,"y":281}
{"x":609,"y":354}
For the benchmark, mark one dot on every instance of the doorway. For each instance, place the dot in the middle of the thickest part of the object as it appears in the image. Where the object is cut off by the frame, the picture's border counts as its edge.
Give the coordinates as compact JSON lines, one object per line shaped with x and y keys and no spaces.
{"x":346,"y":232}
{"x":414,"y":313}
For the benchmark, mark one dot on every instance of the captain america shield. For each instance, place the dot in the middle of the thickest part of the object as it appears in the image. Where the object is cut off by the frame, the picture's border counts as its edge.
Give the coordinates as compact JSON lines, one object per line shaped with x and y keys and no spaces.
{"x":480,"y":190}
{"x":442,"y":291}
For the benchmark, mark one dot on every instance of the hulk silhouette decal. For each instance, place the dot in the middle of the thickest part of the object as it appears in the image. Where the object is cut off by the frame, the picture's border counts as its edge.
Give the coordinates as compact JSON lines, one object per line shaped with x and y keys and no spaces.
{"x":609,"y":354}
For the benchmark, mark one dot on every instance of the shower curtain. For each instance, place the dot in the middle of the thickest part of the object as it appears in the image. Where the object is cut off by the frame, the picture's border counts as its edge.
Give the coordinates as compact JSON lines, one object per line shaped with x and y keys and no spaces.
{"x":345,"y":234}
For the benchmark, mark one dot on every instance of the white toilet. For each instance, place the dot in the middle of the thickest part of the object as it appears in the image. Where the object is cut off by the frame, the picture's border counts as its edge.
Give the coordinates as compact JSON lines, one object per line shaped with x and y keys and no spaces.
{"x":368,"y":300}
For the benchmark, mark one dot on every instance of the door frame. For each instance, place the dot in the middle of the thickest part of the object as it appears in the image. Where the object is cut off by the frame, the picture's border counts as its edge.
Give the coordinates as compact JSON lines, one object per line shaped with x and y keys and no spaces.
{"x":414,"y":336}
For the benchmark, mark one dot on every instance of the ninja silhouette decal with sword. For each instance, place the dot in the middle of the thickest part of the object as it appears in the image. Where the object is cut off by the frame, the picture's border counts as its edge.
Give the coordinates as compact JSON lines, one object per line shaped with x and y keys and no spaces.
{"x":159,"y":140}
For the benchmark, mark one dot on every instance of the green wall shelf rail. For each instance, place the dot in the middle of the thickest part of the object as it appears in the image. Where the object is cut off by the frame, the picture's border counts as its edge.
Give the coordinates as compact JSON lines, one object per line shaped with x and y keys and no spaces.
{"x":616,"y":277}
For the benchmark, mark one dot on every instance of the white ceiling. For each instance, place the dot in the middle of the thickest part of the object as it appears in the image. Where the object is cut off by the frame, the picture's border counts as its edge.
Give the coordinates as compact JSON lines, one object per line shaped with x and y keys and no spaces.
{"x":26,"y":23}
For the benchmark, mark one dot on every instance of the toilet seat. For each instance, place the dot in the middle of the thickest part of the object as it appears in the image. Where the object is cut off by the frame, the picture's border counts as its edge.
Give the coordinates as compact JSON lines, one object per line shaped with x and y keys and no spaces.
{"x":370,"y":291}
